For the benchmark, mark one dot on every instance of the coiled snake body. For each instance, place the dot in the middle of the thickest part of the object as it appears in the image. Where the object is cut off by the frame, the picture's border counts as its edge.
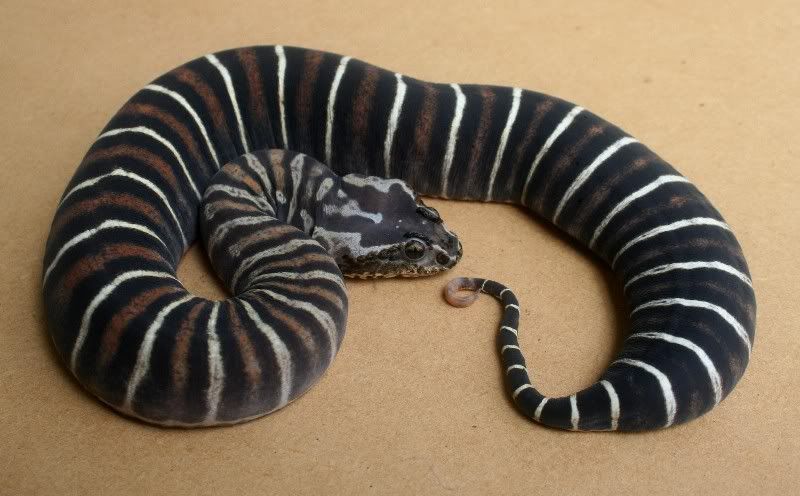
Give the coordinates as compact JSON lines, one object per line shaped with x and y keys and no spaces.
{"x":296,"y":166}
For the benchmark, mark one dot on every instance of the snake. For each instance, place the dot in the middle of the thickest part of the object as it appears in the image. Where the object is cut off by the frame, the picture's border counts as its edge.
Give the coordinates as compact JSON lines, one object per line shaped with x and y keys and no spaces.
{"x":298,"y":168}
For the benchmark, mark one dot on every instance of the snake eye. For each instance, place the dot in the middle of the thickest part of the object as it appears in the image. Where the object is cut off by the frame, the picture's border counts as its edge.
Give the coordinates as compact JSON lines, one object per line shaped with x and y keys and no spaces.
{"x":414,"y":249}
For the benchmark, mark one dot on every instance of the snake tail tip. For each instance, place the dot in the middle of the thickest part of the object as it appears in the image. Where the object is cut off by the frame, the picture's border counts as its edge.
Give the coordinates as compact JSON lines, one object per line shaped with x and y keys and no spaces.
{"x":462,"y":291}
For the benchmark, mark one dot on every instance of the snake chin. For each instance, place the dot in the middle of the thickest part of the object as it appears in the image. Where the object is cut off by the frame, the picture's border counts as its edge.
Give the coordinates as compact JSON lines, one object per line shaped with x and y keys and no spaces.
{"x":407,"y":275}
{"x":407,"y":272}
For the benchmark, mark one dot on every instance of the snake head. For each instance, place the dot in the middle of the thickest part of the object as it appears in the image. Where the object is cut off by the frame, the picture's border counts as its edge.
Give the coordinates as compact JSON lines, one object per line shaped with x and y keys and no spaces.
{"x":377,"y":227}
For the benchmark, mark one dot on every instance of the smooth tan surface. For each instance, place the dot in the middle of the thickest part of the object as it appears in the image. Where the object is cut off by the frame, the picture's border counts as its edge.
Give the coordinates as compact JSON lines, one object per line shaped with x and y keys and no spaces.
{"x":414,"y":402}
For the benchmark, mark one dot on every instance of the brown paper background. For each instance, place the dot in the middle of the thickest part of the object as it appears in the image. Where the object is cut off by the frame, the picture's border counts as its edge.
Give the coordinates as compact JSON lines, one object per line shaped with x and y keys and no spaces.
{"x":414,"y":402}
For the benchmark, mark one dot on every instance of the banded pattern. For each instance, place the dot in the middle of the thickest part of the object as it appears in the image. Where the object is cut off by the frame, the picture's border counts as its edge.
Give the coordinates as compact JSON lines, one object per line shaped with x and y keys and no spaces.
{"x":599,"y":407}
{"x":134,"y":336}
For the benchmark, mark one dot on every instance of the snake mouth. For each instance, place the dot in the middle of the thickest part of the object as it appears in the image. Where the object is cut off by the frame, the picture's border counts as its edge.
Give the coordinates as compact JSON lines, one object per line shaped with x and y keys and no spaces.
{"x":409,"y":274}
{"x":443,"y":262}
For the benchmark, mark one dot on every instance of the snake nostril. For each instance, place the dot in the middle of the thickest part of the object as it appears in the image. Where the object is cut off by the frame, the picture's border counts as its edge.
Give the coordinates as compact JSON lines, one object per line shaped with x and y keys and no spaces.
{"x":442,"y":259}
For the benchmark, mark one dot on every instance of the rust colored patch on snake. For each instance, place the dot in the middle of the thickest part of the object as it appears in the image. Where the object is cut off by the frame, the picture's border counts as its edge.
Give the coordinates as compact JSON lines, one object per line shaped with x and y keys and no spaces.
{"x":277,"y":160}
{"x":249,"y":61}
{"x":322,"y":293}
{"x":297,"y":262}
{"x":305,"y":94}
{"x":90,"y":264}
{"x":252,"y":369}
{"x":471,"y":178}
{"x":207,"y":94}
{"x":143,"y":109}
{"x":228,"y":203}
{"x":120,"y":320}
{"x":238,"y":174}
{"x":273,"y":233}
{"x":423,"y":130}
{"x":601,"y":192}
{"x":566,"y":159}
{"x":362,"y":108}
{"x":634,"y":223}
{"x":308,"y":340}
{"x":139,"y":154}
{"x":693,"y":243}
{"x":180,"y":352}
{"x":108,"y":199}
{"x":534,"y":125}
{"x":685,"y":288}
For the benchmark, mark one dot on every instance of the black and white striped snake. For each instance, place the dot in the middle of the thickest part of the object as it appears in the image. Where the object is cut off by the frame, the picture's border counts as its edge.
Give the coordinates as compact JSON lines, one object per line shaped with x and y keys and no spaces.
{"x":300,"y":166}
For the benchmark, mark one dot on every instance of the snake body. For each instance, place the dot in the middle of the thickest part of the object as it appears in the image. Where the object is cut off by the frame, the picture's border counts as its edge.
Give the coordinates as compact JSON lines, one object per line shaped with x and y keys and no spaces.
{"x":300,"y":166}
